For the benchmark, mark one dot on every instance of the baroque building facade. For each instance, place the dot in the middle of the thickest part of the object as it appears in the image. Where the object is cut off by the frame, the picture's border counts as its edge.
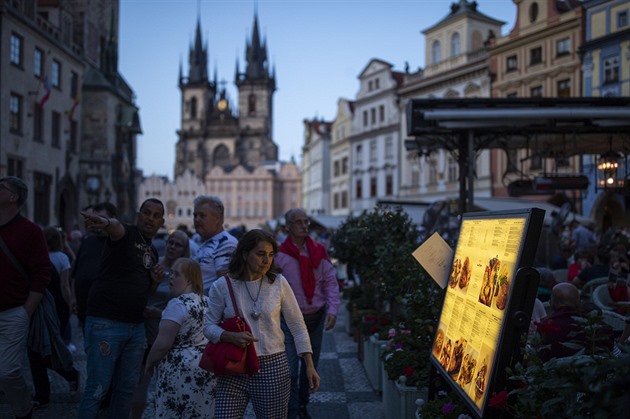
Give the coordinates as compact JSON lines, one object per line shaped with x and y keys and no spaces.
{"x":226,"y":149}
{"x":70,"y":125}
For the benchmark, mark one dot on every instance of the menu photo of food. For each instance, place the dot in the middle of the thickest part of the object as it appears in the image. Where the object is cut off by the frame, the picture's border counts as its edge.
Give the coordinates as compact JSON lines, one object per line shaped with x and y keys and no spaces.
{"x":445,"y":353}
{"x":469,"y":364}
{"x":495,"y":284}
{"x":456,"y":358}
{"x":460,"y":273}
{"x":438,"y":342}
{"x":481,"y":376}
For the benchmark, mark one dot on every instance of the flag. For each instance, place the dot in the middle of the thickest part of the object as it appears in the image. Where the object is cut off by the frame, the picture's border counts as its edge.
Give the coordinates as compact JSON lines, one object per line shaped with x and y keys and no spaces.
{"x":70,"y":112}
{"x":47,"y":89}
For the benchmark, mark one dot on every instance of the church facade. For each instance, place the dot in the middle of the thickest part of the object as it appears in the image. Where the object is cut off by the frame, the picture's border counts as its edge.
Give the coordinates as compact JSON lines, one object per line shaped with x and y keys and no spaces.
{"x":228,"y":147}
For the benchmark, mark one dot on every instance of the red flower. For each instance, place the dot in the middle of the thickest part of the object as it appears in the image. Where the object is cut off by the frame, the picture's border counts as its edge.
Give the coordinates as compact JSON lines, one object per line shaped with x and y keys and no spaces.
{"x":369,"y":319}
{"x":373,"y":330}
{"x":408,"y":371}
{"x":499,"y":400}
{"x":384,"y":322}
{"x":547,"y":328}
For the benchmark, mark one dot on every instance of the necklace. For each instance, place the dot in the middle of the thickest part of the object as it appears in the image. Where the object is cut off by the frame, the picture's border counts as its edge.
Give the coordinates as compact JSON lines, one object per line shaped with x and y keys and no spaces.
{"x":147,"y":258}
{"x":254,"y":313}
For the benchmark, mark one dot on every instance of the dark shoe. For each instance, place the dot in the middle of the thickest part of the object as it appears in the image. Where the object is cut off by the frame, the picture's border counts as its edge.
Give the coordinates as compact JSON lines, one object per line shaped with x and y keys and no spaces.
{"x":303,"y":413}
{"x":29,"y":415}
{"x":39,"y":405}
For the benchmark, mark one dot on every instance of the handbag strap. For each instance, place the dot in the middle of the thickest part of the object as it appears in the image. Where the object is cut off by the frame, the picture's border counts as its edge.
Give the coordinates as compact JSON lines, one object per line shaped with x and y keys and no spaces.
{"x":229,"y":284}
{"x":12,"y":258}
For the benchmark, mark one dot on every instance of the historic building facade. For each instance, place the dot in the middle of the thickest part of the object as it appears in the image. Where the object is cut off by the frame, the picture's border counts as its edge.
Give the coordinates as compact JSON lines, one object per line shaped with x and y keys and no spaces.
{"x":538,"y":58}
{"x":316,"y":163}
{"x":227,"y":149}
{"x":70,"y":125}
{"x":340,"y":158}
{"x":457,"y":66}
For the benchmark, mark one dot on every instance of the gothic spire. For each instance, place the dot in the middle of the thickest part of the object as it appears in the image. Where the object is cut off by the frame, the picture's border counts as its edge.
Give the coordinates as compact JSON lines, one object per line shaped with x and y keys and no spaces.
{"x":198,"y":59}
{"x":256,"y":55}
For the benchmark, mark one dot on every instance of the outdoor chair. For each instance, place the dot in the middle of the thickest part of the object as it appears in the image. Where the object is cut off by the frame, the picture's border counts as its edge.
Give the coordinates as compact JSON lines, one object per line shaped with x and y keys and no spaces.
{"x":601,"y":297}
{"x":587,"y":289}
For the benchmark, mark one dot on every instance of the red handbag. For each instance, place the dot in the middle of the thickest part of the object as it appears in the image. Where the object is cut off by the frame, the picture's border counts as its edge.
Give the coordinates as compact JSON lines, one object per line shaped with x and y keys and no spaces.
{"x":225,"y":358}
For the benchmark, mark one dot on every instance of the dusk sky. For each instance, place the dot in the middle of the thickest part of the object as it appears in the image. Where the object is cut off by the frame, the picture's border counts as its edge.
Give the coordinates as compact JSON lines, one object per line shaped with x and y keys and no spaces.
{"x":318,"y":49}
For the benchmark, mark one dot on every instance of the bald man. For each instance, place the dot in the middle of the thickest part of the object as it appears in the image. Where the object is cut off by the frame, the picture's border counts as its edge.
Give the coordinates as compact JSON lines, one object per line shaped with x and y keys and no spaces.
{"x":562,"y":327}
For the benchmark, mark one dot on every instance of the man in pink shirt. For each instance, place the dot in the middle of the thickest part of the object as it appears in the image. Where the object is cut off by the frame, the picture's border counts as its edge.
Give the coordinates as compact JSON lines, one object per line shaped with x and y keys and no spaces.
{"x":313,"y":279}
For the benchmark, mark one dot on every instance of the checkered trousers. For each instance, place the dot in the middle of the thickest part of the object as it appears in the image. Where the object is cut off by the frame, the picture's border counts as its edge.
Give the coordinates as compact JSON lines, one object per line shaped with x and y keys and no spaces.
{"x":268,"y":390}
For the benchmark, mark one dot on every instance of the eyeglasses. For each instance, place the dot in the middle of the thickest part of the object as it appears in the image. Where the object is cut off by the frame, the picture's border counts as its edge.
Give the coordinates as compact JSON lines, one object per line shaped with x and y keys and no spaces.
{"x":301,"y":222}
{"x":6,"y":188}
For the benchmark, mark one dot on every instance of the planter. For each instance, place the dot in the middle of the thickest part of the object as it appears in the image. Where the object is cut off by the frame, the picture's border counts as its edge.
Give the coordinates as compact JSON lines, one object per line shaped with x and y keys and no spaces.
{"x":400,"y":401}
{"x":372,"y":349}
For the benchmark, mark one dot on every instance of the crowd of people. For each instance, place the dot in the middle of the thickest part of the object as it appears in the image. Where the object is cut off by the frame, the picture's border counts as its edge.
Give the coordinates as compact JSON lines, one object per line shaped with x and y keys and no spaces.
{"x":572,"y":323}
{"x":147,"y":315}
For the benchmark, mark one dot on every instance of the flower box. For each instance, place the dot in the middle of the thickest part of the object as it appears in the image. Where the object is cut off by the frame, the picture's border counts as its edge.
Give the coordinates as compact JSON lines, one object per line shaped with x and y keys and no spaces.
{"x":372,"y":349}
{"x":400,"y":401}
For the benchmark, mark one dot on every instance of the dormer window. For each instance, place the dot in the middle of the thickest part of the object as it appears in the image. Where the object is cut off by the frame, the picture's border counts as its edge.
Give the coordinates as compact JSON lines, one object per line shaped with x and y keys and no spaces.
{"x":533,"y":12}
{"x":455,"y":45}
{"x":436,"y":55}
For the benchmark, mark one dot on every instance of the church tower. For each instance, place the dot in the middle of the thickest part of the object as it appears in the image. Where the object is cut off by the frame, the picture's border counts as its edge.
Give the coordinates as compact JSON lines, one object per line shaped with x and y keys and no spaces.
{"x":213,"y":131}
{"x":256,"y":86}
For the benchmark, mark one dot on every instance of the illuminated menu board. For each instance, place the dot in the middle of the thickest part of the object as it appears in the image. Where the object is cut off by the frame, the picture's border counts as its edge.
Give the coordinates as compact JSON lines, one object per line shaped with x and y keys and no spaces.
{"x":488,"y":254}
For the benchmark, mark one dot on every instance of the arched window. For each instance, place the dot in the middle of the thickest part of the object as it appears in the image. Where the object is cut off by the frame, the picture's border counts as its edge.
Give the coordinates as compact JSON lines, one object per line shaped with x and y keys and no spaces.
{"x":455,"y":46}
{"x":251,"y":104}
{"x":221,"y":156}
{"x":193,"y":108}
{"x":436,"y":55}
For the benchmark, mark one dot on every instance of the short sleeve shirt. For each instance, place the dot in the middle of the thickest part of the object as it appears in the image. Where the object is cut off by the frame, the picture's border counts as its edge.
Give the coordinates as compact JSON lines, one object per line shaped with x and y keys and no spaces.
{"x":214,"y":256}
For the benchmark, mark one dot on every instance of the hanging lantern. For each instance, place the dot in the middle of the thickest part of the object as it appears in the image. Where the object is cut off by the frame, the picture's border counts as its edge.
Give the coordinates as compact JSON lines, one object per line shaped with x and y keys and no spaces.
{"x":611,"y":171}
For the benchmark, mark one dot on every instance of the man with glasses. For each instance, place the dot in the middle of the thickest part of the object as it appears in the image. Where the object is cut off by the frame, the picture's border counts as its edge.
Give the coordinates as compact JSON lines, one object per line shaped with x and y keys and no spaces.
{"x":217,"y":245}
{"x":24,"y":276}
{"x":313,"y":279}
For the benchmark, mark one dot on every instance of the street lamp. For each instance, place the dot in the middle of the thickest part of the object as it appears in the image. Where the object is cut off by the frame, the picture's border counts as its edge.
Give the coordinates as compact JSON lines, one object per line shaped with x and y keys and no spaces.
{"x":611,"y":170}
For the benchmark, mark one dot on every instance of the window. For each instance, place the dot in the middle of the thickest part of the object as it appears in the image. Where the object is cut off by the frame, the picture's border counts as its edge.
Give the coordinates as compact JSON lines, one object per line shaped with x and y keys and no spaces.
{"x":336,"y":168}
{"x":611,"y":70}
{"x":15,"y":113}
{"x":533,"y":12}
{"x":56,"y":74}
{"x":452,"y":170}
{"x":622,"y":19}
{"x":389,"y":148}
{"x":365,"y":118}
{"x":372,"y":150}
{"x":432,"y":173}
{"x":193,"y":108}
{"x":563,"y":46}
{"x":564,"y":88}
{"x":74,"y":127}
{"x":15,"y":167}
{"x":511,"y":63}
{"x":41,"y":194}
{"x":38,"y":123}
{"x":512,"y":156}
{"x":358,"y":191}
{"x":455,"y":45}
{"x":16,"y":50}
{"x":381,"y":113}
{"x":56,"y":130}
{"x":344,"y":165}
{"x":344,"y":199}
{"x":535,"y":56}
{"x":38,"y":62}
{"x":74,"y":85}
{"x":536,"y":91}
{"x":389,"y":185}
{"x":251,"y":104}
{"x":377,"y":84}
{"x":370,"y":86}
{"x":359,"y":154}
{"x":336,"y":201}
{"x":535,"y":162}
{"x":373,"y":115}
{"x":436,"y":55}
{"x":372,"y":187}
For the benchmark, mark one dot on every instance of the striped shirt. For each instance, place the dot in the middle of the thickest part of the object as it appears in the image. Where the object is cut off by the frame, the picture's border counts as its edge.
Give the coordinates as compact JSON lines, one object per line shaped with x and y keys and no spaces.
{"x":214,"y":256}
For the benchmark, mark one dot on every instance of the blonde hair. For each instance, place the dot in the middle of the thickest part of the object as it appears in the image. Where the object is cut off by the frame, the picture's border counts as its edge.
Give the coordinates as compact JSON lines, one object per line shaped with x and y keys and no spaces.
{"x":191,"y":270}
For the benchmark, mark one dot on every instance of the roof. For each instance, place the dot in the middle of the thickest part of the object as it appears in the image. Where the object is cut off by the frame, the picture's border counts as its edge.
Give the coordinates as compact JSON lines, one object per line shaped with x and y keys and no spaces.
{"x":463,"y":8}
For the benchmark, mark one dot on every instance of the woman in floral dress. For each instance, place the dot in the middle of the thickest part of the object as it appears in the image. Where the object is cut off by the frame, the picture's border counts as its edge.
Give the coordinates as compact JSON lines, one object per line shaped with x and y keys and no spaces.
{"x":182,"y":388}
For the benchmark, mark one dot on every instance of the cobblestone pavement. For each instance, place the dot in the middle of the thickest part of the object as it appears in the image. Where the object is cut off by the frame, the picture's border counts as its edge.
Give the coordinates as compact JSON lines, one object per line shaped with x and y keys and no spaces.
{"x":345,"y":392}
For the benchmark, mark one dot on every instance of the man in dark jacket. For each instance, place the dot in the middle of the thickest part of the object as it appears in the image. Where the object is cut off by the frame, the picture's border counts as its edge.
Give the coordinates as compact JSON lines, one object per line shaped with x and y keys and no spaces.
{"x":19,"y":295}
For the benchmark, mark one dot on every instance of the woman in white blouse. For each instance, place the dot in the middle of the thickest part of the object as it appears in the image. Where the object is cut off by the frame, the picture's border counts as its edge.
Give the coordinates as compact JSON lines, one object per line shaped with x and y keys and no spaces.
{"x":263,"y":295}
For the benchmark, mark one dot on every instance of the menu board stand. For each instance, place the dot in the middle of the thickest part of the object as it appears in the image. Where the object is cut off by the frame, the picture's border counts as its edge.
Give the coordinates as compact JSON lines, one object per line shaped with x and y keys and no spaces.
{"x":487,"y":308}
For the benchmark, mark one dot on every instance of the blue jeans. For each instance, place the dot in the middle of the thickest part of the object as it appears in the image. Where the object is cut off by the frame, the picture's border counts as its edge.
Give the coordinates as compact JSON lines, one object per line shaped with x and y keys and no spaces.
{"x":299,"y":380}
{"x":114,"y":357}
{"x":14,"y":324}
